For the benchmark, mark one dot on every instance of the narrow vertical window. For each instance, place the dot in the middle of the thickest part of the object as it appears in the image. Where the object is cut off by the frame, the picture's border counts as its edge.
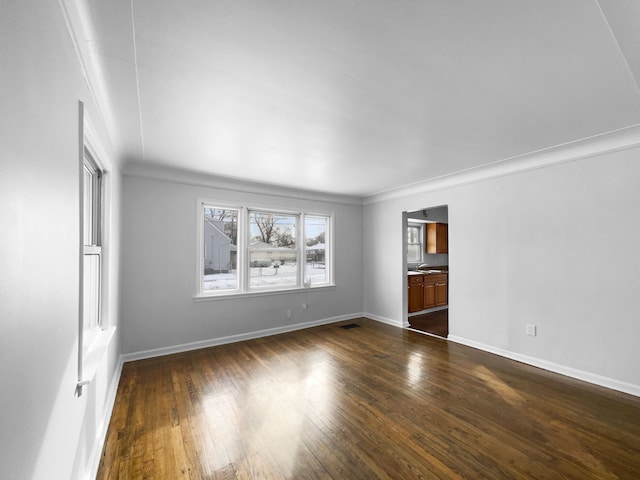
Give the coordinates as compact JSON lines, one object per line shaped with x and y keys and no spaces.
{"x":220,"y":248}
{"x":316,"y":235}
{"x":92,"y":247}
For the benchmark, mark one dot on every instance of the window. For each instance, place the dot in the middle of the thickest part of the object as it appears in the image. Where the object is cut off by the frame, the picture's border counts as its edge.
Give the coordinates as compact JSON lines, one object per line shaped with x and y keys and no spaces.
{"x":316,"y":228}
{"x":95,"y":189}
{"x":273,"y":252}
{"x":220,"y":255}
{"x":414,"y":243}
{"x":246,"y":249}
{"x":92,"y":247}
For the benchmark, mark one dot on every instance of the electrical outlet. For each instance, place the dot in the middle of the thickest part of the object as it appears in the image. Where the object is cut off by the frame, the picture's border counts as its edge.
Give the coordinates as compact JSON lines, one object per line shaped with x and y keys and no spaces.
{"x":531,"y":330}
{"x":288,"y":313}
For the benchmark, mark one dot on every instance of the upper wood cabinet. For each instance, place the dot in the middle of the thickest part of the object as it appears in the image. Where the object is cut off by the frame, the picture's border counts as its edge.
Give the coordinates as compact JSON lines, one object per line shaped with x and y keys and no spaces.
{"x":437,"y":238}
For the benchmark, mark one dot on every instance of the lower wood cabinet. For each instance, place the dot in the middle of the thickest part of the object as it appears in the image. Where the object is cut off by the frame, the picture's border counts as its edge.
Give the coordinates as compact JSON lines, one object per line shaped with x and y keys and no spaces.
{"x":427,"y":291}
{"x":428,"y":294}
{"x":415,"y":293}
{"x":441,"y":291}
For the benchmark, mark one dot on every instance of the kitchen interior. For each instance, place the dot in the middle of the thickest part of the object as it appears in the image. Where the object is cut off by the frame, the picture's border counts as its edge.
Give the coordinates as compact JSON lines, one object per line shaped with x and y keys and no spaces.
{"x":428,"y":270}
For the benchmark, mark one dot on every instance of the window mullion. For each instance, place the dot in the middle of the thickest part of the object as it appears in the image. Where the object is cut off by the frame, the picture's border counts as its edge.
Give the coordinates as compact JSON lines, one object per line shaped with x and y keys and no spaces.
{"x":243,"y":250}
{"x":201,"y":247}
{"x":302,"y":250}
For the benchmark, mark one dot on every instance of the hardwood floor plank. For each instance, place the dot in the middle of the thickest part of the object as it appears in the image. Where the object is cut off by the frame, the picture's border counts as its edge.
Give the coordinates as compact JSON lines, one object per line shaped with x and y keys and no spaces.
{"x":369,"y":402}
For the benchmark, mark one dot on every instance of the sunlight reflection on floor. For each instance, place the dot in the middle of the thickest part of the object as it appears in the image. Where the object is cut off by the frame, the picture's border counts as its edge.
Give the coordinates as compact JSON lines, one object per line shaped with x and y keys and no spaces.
{"x":555,"y":430}
{"x":507,"y":393}
{"x":414,"y":369}
{"x":273,"y":412}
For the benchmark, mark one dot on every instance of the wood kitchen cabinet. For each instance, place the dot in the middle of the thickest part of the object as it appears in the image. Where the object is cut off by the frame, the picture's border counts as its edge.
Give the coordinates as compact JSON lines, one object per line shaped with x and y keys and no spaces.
{"x":437,"y":238}
{"x":415,"y":297}
{"x":426,"y":291}
{"x":441,"y":291}
{"x":428,"y":294}
{"x":434,"y":291}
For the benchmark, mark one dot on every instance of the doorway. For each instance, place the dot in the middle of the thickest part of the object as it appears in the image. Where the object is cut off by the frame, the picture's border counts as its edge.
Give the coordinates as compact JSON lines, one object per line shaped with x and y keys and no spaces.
{"x":427,"y":266}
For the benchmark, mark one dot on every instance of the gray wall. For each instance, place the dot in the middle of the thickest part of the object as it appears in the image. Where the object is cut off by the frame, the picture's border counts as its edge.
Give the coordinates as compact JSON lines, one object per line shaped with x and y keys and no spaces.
{"x":159,"y":270}
{"x":46,"y":431}
{"x":556,"y":247}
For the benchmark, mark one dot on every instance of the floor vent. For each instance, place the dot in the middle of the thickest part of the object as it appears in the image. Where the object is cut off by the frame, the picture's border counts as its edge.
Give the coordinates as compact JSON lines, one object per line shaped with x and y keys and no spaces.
{"x":350,"y":325}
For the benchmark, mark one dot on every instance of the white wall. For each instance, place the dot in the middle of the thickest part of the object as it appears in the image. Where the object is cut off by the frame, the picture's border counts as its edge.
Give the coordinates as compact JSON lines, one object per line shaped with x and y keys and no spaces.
{"x":557,"y":247}
{"x":46,"y":430}
{"x":159,"y":270}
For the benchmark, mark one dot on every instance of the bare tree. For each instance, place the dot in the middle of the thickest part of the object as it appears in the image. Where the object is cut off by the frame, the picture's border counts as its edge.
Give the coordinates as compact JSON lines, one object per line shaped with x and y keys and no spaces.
{"x":266,"y":223}
{"x":284,"y":238}
{"x":277,"y":230}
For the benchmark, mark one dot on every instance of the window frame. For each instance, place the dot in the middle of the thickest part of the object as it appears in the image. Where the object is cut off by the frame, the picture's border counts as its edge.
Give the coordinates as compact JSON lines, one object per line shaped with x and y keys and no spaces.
{"x":90,"y":145}
{"x":92,"y":246}
{"x":201,"y":250}
{"x":243,"y":287}
{"x":249,"y":250}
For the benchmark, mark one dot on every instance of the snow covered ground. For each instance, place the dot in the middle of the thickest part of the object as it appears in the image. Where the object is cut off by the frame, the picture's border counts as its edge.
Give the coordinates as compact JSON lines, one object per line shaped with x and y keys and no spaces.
{"x":266,"y":276}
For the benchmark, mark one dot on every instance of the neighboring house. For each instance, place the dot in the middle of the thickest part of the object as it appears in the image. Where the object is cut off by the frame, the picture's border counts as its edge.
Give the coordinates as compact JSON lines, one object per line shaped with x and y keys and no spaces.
{"x":219,"y":253}
{"x":315,"y":253}
{"x":264,"y":254}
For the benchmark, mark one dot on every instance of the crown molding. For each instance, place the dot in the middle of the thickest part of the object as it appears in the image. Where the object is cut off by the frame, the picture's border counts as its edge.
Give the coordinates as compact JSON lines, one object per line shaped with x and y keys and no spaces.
{"x":609,"y":142}
{"x":202,"y":179}
{"x":622,"y":139}
{"x":78,"y":23}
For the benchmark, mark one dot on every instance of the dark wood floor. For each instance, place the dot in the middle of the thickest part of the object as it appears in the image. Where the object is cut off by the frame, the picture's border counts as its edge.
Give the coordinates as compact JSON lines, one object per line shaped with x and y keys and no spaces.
{"x":435,"y":323}
{"x":364,"y":403}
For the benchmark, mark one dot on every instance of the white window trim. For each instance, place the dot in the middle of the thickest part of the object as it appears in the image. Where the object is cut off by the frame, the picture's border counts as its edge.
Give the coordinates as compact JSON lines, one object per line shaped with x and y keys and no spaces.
{"x":243,"y":289}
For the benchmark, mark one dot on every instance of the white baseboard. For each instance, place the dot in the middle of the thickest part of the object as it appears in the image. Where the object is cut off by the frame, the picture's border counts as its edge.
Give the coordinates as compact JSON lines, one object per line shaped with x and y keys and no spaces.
{"x":101,"y":433}
{"x":212,"y":342}
{"x":388,"y":321}
{"x":593,"y":378}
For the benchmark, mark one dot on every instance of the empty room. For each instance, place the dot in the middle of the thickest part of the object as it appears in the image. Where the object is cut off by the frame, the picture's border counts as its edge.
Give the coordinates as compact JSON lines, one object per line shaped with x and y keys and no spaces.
{"x":319,"y":239}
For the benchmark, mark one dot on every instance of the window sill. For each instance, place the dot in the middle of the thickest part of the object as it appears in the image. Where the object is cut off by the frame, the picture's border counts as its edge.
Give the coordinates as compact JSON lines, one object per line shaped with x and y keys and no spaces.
{"x":230,"y":296}
{"x":94,"y":353}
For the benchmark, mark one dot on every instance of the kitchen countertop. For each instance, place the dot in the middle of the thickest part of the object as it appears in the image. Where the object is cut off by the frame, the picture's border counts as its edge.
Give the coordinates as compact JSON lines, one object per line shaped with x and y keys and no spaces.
{"x":431,"y":271}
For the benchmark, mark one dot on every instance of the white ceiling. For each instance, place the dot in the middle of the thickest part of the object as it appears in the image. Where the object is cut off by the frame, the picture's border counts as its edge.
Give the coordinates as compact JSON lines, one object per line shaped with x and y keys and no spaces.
{"x":356,"y":96}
